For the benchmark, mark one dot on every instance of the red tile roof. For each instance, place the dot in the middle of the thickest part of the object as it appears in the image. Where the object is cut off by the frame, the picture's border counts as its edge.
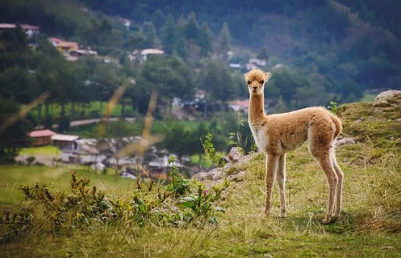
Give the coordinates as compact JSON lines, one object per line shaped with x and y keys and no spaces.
{"x":41,"y":133}
{"x":23,"y":26}
{"x":55,"y":40}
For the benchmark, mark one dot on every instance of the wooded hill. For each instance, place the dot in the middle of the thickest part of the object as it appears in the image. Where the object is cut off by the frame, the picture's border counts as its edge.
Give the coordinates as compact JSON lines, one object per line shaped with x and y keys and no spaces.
{"x":318,"y":51}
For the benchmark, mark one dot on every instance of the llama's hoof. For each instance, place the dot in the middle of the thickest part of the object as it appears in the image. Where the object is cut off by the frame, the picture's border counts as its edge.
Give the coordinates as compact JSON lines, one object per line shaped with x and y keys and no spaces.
{"x":326,"y":221}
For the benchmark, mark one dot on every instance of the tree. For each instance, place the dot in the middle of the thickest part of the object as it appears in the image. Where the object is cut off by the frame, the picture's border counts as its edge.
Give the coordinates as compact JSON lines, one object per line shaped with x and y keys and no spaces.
{"x":12,"y":136}
{"x":18,"y":84}
{"x":217,"y":82}
{"x":149,"y":31}
{"x":224,"y":40}
{"x":205,"y":39}
{"x":136,"y":40}
{"x":168,"y":35}
{"x":182,"y":50}
{"x":14,"y":40}
{"x":191,"y":29}
{"x":158,"y":19}
{"x":287,"y":82}
{"x":173,"y":78}
{"x":179,"y":29}
{"x":263,"y":54}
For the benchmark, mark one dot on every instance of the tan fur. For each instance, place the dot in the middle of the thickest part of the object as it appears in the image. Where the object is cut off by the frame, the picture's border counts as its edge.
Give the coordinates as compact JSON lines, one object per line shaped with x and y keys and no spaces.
{"x":280,"y":133}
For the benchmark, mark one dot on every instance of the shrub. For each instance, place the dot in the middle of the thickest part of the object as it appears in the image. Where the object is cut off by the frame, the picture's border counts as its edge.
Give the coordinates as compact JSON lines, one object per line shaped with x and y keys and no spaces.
{"x":82,"y":208}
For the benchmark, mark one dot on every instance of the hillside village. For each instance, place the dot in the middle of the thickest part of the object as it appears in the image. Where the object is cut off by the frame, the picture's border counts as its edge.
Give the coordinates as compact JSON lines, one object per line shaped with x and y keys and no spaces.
{"x":101,"y":154}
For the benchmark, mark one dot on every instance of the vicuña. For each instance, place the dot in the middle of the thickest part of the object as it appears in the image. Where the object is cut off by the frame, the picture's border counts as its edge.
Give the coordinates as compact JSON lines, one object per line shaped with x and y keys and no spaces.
{"x":278,"y":134}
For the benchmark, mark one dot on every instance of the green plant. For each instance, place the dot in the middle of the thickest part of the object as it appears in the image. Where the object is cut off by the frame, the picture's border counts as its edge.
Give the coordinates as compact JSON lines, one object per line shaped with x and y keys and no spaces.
{"x":234,"y":140}
{"x":178,"y":185}
{"x":211,"y":152}
{"x":201,"y":204}
{"x":82,"y":208}
{"x":333,"y":107}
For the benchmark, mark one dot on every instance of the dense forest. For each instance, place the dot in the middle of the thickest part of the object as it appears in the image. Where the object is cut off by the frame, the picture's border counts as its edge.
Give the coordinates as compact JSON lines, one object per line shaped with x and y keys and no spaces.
{"x":318,"y":51}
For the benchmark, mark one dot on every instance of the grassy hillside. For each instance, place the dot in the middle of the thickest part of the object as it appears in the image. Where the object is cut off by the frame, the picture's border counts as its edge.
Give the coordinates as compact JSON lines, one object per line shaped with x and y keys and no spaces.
{"x":370,"y":225}
{"x":12,"y":177}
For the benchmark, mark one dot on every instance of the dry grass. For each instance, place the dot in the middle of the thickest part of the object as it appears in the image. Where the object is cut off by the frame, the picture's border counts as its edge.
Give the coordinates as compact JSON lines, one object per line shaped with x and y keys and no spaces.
{"x":370,"y":225}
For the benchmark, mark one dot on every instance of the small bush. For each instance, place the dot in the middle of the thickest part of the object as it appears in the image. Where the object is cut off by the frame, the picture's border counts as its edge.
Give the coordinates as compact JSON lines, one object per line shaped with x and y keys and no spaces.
{"x":82,"y":207}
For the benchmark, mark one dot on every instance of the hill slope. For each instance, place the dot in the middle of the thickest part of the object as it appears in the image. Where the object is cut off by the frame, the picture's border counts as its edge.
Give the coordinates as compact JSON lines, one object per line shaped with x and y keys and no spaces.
{"x":370,"y":225}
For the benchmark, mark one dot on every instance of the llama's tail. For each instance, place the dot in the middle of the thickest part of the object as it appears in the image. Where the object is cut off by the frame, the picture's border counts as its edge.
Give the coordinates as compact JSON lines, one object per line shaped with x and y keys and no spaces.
{"x":338,"y":124}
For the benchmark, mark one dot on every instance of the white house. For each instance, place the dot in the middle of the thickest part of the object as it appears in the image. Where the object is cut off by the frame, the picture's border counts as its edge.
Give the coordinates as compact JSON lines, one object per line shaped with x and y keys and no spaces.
{"x":257,"y":61}
{"x":81,"y":151}
{"x":150,"y":51}
{"x":239,"y":105}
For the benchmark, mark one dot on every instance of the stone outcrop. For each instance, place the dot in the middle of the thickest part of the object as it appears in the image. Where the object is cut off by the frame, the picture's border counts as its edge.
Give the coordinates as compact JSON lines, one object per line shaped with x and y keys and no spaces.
{"x":235,"y":155}
{"x":344,"y":141}
{"x":385,"y":96}
{"x":232,"y":170}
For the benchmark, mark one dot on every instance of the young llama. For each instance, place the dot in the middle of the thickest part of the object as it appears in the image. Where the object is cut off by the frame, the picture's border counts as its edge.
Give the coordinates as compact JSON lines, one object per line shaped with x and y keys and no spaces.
{"x":280,"y":133}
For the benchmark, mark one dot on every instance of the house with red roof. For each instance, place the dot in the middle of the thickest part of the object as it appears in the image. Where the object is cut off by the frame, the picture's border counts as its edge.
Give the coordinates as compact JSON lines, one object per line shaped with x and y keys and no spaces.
{"x":41,"y":137}
{"x":30,"y":30}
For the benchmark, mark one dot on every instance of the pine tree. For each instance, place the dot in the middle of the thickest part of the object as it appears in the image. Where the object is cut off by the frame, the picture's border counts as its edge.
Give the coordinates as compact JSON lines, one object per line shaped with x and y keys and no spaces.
{"x":191,"y":30}
{"x":224,"y":40}
{"x":263,"y":54}
{"x":149,"y":31}
{"x":179,"y":28}
{"x":182,"y":49}
{"x":205,"y":39}
{"x":168,"y":35}
{"x":158,"y":19}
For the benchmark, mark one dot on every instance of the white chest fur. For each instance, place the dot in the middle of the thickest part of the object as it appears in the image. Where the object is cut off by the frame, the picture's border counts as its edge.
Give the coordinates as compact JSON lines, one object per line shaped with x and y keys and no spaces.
{"x":260,"y":136}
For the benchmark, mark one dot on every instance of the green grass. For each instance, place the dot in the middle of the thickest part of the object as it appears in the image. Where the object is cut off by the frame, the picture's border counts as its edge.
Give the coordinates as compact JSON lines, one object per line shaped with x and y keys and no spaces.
{"x":13,"y":176}
{"x":204,"y":161}
{"x":370,"y":225}
{"x":368,"y":97}
{"x":48,"y":150}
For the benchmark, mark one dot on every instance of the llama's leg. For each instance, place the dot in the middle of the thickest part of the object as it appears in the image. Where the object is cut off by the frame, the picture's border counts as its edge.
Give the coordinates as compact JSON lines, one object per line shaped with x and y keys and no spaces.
{"x":281,"y":177}
{"x":271,"y":170}
{"x":339,"y":191}
{"x":326,"y":164}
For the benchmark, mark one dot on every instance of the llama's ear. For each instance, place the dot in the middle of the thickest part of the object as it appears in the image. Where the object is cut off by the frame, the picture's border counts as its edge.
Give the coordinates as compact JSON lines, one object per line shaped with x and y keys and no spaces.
{"x":246,"y":76}
{"x":267,"y":75}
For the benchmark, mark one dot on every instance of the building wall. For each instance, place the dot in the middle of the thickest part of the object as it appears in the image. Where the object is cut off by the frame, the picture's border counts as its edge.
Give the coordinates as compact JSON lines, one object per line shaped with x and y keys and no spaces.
{"x":39,"y":141}
{"x":69,"y":157}
{"x":61,"y":144}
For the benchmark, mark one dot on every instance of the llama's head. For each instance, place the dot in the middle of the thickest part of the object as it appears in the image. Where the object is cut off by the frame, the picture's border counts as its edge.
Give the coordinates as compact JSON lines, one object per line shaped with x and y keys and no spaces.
{"x":256,"y":80}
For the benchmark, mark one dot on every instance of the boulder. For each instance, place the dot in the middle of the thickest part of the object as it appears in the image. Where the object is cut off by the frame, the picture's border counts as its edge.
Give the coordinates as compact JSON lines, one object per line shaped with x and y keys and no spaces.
{"x":344,"y":141}
{"x":388,"y":95}
{"x":235,"y":155}
{"x":237,"y":177}
{"x":201,"y":176}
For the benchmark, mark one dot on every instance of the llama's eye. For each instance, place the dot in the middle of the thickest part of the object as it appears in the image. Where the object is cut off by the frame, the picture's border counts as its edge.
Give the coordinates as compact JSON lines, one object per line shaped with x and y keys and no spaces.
{"x":249,"y":82}
{"x":262,"y":81}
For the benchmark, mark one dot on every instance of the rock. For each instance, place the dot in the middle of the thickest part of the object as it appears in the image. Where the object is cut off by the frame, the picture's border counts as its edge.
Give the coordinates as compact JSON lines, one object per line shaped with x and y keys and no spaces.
{"x":202,"y":176}
{"x":268,"y":256}
{"x":217,"y":175}
{"x":235,"y":155}
{"x":344,"y":141}
{"x":237,"y":177}
{"x":228,"y":166}
{"x":387,"y":95}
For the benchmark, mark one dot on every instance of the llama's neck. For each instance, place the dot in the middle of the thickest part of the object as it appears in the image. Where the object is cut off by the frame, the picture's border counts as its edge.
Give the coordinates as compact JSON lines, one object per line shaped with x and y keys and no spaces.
{"x":256,"y":108}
